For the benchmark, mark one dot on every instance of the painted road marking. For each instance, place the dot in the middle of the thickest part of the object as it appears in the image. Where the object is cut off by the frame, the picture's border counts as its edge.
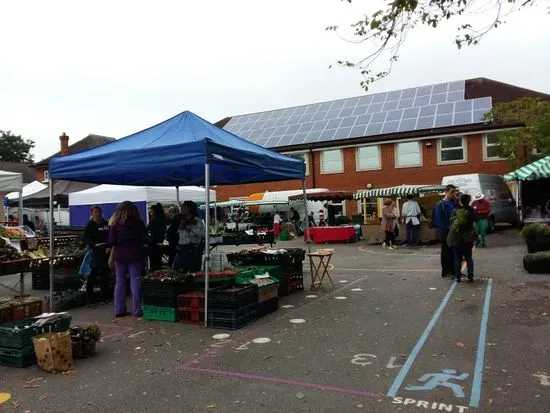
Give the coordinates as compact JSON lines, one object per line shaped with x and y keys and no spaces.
{"x":356,"y":289}
{"x":361,"y":359}
{"x":393,"y":253}
{"x":427,"y":405}
{"x":220,"y":336}
{"x":261,"y":340}
{"x":480,"y":357}
{"x":311,"y":296}
{"x":287,"y":306}
{"x":297,"y":321}
{"x":421,"y":341}
{"x":341,"y":298}
{"x":4,"y":397}
{"x":443,"y":379}
{"x":543,"y":377}
{"x":391,"y":364}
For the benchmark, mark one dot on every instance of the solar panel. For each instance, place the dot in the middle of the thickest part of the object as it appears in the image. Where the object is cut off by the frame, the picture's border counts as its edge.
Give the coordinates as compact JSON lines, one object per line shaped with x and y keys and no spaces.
{"x":424,"y":107}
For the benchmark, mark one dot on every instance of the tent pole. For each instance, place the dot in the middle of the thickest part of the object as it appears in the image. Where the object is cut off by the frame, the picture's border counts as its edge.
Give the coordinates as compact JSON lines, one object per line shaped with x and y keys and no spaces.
{"x":206,"y":238}
{"x":50,"y":213}
{"x":21,"y":207}
{"x":178,"y":195}
{"x":306,"y":228}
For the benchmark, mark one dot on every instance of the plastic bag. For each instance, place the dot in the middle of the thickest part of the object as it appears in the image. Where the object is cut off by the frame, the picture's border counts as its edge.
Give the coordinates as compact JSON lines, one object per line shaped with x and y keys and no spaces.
{"x":54,"y":352}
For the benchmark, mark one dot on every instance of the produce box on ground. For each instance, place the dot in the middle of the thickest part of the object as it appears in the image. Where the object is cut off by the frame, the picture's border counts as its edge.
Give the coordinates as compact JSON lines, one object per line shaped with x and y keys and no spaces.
{"x":167,"y":283}
{"x":232,"y":319}
{"x":289,"y":257}
{"x":191,"y":316}
{"x":267,"y":307}
{"x":153,"y":313}
{"x":267,"y":287}
{"x":277,"y":272}
{"x":191,"y":308}
{"x":61,"y":282}
{"x":11,"y":357}
{"x":232,"y":298}
{"x":19,"y":309}
{"x":84,"y":340}
{"x":19,"y":334}
{"x":216,"y":279}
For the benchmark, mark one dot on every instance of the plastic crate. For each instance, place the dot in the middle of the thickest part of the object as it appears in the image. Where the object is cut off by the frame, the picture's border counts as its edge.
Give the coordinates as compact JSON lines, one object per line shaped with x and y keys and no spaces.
{"x":191,"y":301}
{"x":267,"y":307}
{"x":159,"y":299}
{"x":28,"y":309}
{"x":5,"y":315}
{"x":233,"y":298}
{"x":295,"y":282}
{"x":159,"y":287}
{"x":10,"y":357}
{"x":21,"y":338}
{"x":67,"y":300}
{"x":153,"y":313}
{"x":191,"y":316}
{"x":232,"y":319}
{"x":268,"y":292}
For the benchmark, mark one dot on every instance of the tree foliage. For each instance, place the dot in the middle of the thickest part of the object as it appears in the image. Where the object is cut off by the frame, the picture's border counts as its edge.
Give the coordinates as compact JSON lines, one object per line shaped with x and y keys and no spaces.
{"x":14,"y":148}
{"x":387,"y":28}
{"x":527,"y":144}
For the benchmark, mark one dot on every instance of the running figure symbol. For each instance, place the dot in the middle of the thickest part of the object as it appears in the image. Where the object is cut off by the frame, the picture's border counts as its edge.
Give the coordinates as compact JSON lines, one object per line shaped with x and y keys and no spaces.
{"x":433,"y":380}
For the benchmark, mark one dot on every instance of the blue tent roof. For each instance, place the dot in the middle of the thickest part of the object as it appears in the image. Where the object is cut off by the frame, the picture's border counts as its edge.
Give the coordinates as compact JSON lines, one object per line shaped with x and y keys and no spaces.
{"x":174,"y":152}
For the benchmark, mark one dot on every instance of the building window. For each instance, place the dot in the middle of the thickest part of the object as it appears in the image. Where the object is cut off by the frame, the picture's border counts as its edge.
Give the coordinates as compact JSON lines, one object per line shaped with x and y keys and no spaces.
{"x":491,"y":148}
{"x":408,"y":154}
{"x":46,"y":176}
{"x":332,"y":161}
{"x":452,"y":149}
{"x":303,"y":156}
{"x":368,"y":158}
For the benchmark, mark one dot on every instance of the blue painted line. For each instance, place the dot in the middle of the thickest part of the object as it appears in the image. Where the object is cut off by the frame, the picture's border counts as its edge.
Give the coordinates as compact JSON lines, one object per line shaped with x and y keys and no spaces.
{"x":421,"y":341}
{"x":480,"y":357}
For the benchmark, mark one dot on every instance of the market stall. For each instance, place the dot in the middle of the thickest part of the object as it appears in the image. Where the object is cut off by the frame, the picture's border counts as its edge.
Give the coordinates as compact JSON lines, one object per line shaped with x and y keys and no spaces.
{"x":372,"y":200}
{"x":183,"y":150}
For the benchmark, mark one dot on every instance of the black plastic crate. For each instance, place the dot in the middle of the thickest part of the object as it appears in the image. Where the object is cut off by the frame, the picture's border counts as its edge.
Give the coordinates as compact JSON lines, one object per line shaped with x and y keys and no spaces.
{"x":160,"y":299}
{"x":232,"y":298}
{"x":166,"y":288}
{"x":232,"y":319}
{"x":223,"y":324}
{"x":21,"y":358}
{"x":267,"y":307}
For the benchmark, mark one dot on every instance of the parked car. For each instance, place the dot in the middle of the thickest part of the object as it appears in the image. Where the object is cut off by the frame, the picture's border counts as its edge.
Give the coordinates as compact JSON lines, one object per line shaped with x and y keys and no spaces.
{"x":495,"y":190}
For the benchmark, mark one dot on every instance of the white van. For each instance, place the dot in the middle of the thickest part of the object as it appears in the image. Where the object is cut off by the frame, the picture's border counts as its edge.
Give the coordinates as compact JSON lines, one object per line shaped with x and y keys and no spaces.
{"x":495,"y":190}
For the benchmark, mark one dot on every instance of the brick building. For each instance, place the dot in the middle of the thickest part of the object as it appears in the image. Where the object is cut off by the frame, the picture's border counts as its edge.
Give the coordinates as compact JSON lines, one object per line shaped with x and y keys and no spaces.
{"x":411,"y":136}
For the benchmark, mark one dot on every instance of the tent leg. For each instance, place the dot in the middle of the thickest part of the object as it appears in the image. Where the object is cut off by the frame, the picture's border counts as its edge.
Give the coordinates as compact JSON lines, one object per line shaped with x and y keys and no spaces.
{"x":306,"y":228}
{"x":178,"y":195}
{"x":206,"y":239}
{"x":21,"y":275}
{"x":50,"y":212}
{"x":21,"y":207}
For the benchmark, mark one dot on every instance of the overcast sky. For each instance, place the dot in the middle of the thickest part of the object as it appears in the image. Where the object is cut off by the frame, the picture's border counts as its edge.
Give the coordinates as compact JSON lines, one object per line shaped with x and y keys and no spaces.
{"x":116,"y":67}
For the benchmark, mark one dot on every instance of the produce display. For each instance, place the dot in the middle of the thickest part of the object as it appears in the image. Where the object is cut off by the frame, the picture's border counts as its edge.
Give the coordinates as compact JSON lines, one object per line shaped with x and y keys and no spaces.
{"x":84,"y":340}
{"x":167,"y":275}
{"x":12,"y":233}
{"x":8,"y":253}
{"x":40,"y":252}
{"x":218,"y":274}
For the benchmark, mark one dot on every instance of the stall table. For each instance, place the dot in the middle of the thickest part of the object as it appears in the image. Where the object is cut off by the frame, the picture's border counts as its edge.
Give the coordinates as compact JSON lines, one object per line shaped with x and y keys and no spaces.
{"x":319,"y":235}
{"x":320,"y":268}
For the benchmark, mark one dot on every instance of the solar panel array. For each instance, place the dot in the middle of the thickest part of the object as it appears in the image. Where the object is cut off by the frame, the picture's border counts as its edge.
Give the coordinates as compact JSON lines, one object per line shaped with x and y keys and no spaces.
{"x":425,"y":107}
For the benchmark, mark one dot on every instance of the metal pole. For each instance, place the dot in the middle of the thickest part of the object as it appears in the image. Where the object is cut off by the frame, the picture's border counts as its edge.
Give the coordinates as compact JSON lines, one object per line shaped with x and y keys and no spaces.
{"x":178,"y":195}
{"x":206,"y":238}
{"x":306,"y":231}
{"x":22,"y":274}
{"x":51,"y":245}
{"x":21,"y":207}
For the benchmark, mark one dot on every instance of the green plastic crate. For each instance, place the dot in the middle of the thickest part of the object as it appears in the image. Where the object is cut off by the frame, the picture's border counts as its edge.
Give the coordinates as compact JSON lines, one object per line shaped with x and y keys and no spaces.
{"x":11,"y":357}
{"x":275,"y":271}
{"x":21,"y":337}
{"x":153,"y":313}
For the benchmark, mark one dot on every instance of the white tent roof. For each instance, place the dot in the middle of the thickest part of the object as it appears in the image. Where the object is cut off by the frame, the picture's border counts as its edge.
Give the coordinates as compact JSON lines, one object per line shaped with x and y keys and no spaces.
{"x":10,"y":181}
{"x":104,"y":194}
{"x":28,"y":189}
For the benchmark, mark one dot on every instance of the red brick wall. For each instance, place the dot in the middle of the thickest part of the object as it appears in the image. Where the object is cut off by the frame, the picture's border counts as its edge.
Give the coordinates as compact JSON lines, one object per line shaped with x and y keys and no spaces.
{"x":429,"y":173}
{"x":40,"y":173}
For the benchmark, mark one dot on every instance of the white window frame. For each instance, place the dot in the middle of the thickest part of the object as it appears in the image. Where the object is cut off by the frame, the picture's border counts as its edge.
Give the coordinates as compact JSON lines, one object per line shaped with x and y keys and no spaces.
{"x":46,"y":176}
{"x":357,"y":158}
{"x":341,"y":170}
{"x":306,"y":158}
{"x":486,"y":145}
{"x":464,"y":148}
{"x":396,"y":155}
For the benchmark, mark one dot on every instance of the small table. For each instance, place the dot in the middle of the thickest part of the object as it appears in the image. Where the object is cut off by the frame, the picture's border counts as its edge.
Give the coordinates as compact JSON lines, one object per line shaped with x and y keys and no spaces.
{"x":320,"y":269}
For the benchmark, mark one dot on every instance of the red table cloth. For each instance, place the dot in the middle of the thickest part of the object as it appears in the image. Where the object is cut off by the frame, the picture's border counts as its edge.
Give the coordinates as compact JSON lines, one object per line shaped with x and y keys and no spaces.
{"x":320,"y":235}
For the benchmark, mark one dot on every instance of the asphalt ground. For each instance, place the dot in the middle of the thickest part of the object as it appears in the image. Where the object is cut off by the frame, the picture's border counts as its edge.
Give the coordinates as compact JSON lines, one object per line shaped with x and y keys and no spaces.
{"x":372,"y":343}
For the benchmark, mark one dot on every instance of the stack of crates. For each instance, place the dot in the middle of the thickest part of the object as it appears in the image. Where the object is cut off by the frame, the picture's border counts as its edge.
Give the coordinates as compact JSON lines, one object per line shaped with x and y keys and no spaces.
{"x":160,"y":299}
{"x":16,"y":347}
{"x":191,"y":307}
{"x":232,"y":308}
{"x":268,"y":289}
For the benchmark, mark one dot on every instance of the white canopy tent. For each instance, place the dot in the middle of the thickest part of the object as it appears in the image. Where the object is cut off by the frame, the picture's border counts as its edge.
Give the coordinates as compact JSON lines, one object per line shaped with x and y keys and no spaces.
{"x":13,"y":182}
{"x":28,"y":189}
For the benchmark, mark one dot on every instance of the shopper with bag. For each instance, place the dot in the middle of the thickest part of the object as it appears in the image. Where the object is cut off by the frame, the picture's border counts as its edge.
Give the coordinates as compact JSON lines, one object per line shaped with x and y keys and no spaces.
{"x":388,"y":223}
{"x":96,"y":234}
{"x":482,"y":208}
{"x":128,"y":236}
{"x":461,"y":237}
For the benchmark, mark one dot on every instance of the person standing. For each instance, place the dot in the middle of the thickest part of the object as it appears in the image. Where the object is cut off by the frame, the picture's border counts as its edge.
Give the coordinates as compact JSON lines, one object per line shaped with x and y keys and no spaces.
{"x":191,"y":239}
{"x":388,"y":223}
{"x":462,"y":237}
{"x":28,"y":222}
{"x":441,"y":218}
{"x":276,"y":224}
{"x":128,"y":237}
{"x":95,"y":237}
{"x":172,"y":233}
{"x":296,"y":221}
{"x":482,"y":208}
{"x":411,"y":214}
{"x":157,"y":232}
{"x":311,"y":220}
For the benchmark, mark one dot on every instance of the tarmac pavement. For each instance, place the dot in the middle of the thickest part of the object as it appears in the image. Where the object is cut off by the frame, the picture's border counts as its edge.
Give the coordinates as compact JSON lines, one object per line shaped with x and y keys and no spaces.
{"x":390,"y":336}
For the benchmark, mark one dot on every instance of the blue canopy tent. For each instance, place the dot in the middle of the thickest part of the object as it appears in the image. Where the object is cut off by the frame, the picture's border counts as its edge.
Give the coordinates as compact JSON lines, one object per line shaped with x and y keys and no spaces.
{"x":183,"y":150}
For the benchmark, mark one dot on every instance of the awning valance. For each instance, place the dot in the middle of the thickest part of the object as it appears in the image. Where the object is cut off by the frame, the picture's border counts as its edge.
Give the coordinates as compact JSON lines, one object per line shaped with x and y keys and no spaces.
{"x":324,"y":196}
{"x":537,"y":170}
{"x":399,"y":191}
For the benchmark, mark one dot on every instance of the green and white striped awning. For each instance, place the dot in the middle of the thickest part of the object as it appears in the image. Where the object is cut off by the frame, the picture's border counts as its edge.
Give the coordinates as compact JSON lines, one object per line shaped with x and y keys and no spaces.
{"x":399,"y":191}
{"x":537,"y":170}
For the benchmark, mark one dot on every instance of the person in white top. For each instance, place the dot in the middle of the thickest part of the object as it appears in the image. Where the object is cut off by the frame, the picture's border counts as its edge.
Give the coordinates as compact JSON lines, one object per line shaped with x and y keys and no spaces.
{"x":276,"y":224}
{"x":411,"y":214}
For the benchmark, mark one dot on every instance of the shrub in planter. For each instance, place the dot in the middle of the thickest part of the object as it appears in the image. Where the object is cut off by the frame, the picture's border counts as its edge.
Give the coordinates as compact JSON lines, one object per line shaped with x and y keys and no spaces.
{"x":537,"y":263}
{"x":342,"y":220}
{"x":537,"y":237}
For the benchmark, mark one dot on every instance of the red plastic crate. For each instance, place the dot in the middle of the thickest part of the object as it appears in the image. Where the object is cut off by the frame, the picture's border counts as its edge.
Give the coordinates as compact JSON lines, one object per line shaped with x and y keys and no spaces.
{"x":191,"y":301}
{"x":190,"y":316}
{"x":26,"y":310}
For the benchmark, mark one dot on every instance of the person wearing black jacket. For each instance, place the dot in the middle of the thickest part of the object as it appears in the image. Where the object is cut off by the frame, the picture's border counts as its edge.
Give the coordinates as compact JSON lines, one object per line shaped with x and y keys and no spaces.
{"x":157,"y":232}
{"x":172,"y":233}
{"x":96,"y":234}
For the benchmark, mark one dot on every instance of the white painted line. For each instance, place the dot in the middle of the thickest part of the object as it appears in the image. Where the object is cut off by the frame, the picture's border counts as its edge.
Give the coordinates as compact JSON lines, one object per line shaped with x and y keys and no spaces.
{"x":297,"y":321}
{"x":221,"y":336}
{"x":261,"y":340}
{"x":311,"y":296}
{"x":343,"y":281}
{"x":287,"y":306}
{"x":356,"y":289}
{"x":136,"y":334}
{"x":340,"y":298}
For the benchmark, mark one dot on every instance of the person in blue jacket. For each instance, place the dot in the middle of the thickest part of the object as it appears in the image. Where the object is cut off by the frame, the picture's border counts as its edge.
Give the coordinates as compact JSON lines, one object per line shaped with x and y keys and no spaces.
{"x":441,"y":218}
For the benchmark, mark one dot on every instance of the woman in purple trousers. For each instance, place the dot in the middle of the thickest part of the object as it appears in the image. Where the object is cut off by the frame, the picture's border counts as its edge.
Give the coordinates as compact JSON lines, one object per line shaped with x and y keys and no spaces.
{"x":127,"y":235}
